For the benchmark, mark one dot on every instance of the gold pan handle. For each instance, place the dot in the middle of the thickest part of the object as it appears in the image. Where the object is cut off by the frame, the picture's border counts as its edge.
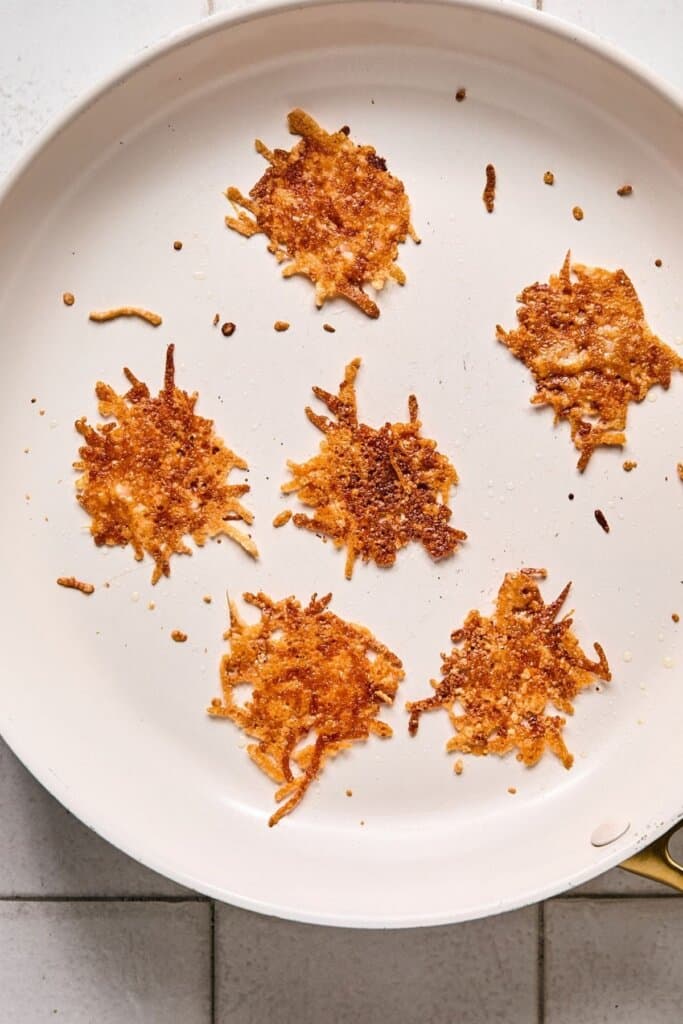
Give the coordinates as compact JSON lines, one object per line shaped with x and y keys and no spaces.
{"x":656,"y":862}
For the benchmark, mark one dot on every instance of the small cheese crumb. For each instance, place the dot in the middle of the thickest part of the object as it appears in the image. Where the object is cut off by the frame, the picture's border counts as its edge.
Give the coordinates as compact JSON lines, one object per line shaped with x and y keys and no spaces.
{"x":207,"y":599}
{"x":675,"y":616}
{"x":282,"y":517}
{"x":461,"y":94}
{"x":549,"y":178}
{"x":625,"y":190}
{"x":457,"y":767}
{"x":227,"y":329}
{"x":329,"y":328}
{"x":281,"y":325}
{"x":68,"y":298}
{"x":178,"y":636}
{"x":101,"y":317}
{"x":577,"y":213}
{"x":629,"y":465}
{"x":349,"y":792}
{"x":71,"y":583}
{"x":512,"y":790}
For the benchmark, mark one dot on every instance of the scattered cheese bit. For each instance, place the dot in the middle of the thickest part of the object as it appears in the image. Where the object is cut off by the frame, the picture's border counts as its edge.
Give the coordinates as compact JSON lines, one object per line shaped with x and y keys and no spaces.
{"x":577,"y":213}
{"x":178,"y":636}
{"x":549,"y":178}
{"x":113,"y":314}
{"x":73,"y":584}
{"x":489,"y":193}
{"x":68,"y":298}
{"x":281,"y":325}
{"x":282,"y":517}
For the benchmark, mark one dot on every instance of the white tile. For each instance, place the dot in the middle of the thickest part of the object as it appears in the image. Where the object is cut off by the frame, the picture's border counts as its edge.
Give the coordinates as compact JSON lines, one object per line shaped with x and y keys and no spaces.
{"x":45,"y":851}
{"x":614,"y":961}
{"x":650,"y":31}
{"x":481,"y":972}
{"x":110,"y":963}
{"x":53,"y":50}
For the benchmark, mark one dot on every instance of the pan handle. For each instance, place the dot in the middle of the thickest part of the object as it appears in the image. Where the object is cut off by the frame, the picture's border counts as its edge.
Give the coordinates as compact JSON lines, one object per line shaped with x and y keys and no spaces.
{"x":655,"y":861}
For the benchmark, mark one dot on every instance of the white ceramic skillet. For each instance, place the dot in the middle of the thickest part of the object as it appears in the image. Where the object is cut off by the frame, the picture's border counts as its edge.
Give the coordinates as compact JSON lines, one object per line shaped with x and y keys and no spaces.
{"x":96,"y":699}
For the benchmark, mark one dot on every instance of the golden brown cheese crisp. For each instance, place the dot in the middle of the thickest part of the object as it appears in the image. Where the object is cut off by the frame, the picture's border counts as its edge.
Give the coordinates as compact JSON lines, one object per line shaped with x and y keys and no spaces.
{"x":331,"y":211}
{"x":317,"y":683}
{"x":584,"y":337}
{"x":504,"y":671}
{"x":374,"y":490}
{"x":157,"y":473}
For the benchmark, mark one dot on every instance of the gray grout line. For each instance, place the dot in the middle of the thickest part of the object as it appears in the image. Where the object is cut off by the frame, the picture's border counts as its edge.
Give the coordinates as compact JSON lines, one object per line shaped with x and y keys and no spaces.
{"x":213,"y":963}
{"x":540,"y":980}
{"x":104,"y":899}
{"x":577,"y":897}
{"x":196,"y":898}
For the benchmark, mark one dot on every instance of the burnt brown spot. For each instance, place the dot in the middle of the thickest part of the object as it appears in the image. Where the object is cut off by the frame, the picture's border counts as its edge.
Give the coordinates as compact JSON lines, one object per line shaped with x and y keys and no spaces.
{"x":601,"y":520}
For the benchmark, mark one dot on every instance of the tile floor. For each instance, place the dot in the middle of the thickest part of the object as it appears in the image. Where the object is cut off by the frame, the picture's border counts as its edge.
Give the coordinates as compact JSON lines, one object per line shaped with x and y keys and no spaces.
{"x":87,"y":935}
